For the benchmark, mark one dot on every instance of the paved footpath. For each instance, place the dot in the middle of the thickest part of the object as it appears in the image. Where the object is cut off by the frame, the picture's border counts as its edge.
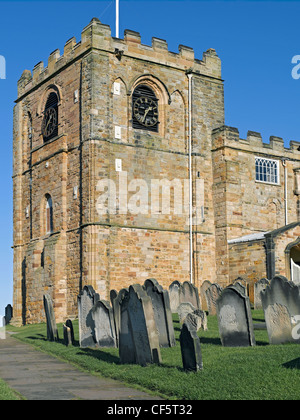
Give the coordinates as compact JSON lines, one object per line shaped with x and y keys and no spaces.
{"x":38,"y":376}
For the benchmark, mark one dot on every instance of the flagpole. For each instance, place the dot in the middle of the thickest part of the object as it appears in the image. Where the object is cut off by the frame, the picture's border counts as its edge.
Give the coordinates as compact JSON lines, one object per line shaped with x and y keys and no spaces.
{"x":117,"y":18}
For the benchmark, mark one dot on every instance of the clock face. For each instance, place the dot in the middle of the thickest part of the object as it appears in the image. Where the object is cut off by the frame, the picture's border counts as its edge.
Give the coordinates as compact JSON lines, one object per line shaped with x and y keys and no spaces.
{"x":49,"y":122}
{"x":145,"y":111}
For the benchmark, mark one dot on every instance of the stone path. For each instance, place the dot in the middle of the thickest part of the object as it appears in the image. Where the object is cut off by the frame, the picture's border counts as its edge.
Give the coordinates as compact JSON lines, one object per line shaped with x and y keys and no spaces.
{"x":38,"y":376}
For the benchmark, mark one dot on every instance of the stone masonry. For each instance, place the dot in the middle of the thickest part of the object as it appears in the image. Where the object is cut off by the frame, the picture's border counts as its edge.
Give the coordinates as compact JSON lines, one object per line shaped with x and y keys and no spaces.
{"x":94,"y":80}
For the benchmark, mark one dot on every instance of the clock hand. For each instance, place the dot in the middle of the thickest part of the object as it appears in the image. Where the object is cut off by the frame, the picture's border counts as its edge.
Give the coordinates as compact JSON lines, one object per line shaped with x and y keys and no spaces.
{"x":147,"y":110}
{"x":49,"y":121}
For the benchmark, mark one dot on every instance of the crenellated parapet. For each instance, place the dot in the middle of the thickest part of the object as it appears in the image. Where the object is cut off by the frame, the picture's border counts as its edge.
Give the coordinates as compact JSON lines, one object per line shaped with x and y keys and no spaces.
{"x":98,"y":36}
{"x":230,"y":136}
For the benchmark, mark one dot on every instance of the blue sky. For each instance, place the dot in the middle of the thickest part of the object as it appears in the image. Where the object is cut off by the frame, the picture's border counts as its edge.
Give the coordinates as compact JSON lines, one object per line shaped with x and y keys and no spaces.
{"x":255,"y":40}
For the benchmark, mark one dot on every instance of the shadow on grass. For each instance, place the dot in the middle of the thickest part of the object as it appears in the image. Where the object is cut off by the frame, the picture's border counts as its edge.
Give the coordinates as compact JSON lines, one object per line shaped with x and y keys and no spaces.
{"x":292,"y":364}
{"x":100,"y":355}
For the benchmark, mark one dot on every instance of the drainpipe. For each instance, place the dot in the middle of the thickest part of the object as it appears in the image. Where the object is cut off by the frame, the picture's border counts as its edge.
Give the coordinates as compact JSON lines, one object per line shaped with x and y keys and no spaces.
{"x":190,"y":76}
{"x":283,"y":161}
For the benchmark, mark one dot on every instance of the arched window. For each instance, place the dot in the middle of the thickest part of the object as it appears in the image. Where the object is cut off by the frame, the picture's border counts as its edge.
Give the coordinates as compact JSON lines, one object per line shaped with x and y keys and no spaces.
{"x":145,"y":109}
{"x":49,"y":214}
{"x":50,"y":120}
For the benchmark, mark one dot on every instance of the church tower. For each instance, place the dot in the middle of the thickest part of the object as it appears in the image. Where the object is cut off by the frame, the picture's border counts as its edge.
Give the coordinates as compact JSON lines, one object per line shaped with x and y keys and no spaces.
{"x":102,"y":140}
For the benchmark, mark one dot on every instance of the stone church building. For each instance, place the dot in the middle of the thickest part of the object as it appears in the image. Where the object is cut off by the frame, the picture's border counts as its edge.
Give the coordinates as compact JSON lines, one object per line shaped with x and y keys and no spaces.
{"x":111,"y":141}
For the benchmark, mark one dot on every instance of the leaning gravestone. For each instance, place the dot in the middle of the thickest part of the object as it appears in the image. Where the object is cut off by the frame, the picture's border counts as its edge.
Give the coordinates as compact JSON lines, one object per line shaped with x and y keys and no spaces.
{"x":105,"y":334}
{"x":174,"y":290}
{"x":259,"y":287}
{"x":52,"y":333}
{"x":67,"y":335}
{"x":86,"y":300}
{"x":189,"y":293}
{"x":116,"y":299}
{"x":234,"y":318}
{"x":283,"y":298}
{"x":138,"y":333}
{"x":190,"y":348}
{"x":212,"y":294}
{"x":162,"y":312}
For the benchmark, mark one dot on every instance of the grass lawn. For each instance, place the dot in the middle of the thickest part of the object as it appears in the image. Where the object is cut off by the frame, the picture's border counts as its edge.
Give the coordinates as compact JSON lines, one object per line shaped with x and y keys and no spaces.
{"x":6,"y":393}
{"x":262,"y":372}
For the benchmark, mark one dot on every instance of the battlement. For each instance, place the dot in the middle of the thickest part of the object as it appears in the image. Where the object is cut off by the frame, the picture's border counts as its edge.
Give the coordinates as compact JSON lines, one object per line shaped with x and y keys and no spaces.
{"x":98,"y":36}
{"x":230,"y":136}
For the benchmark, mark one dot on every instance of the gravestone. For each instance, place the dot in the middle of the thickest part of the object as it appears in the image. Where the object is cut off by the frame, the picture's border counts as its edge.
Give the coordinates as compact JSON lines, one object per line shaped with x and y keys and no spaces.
{"x":198,"y":319}
{"x":126,"y":343}
{"x":279,"y":325}
{"x":69,"y":325}
{"x":234,"y":318}
{"x":86,"y":300}
{"x":105,"y":334}
{"x":174,"y":290}
{"x":116,"y":299}
{"x":259,"y":287}
{"x":284,"y":299}
{"x":184,"y":309}
{"x":162,"y":312}
{"x":190,"y":348}
{"x":204,"y":286}
{"x":8,"y":313}
{"x":189,"y":293}
{"x":212,"y":294}
{"x":67,"y":335}
{"x":52,"y":333}
{"x":138,"y":334}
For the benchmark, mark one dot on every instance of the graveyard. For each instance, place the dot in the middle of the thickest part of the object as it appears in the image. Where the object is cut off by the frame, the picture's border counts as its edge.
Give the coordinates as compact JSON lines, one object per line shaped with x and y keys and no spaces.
{"x":231,"y":352}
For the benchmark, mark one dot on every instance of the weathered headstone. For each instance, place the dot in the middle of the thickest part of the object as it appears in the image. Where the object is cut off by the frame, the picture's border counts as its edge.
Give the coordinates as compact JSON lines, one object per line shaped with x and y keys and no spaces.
{"x":198,"y":319}
{"x":189,"y":293}
{"x":69,"y":324}
{"x":212,"y":294}
{"x":204,"y":286}
{"x":234,"y":318}
{"x":52,"y":333}
{"x":162,"y":312}
{"x":281,"y":298}
{"x":282,"y":291}
{"x":105,"y":332}
{"x":174,"y":290}
{"x":279,"y":324}
{"x":184,"y":309}
{"x":138,"y":333}
{"x":86,"y":300}
{"x":190,"y":348}
{"x":259,"y":287}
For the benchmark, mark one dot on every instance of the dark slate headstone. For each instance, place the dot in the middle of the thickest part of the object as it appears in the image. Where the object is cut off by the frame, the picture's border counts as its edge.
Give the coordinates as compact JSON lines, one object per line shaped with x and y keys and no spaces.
{"x":126,"y":343}
{"x":116,"y":299}
{"x":69,"y":324}
{"x":105,"y":334}
{"x":234,"y":318}
{"x":8,"y":313}
{"x":52,"y":333}
{"x":162,"y":312}
{"x":86,"y":300}
{"x":190,"y":348}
